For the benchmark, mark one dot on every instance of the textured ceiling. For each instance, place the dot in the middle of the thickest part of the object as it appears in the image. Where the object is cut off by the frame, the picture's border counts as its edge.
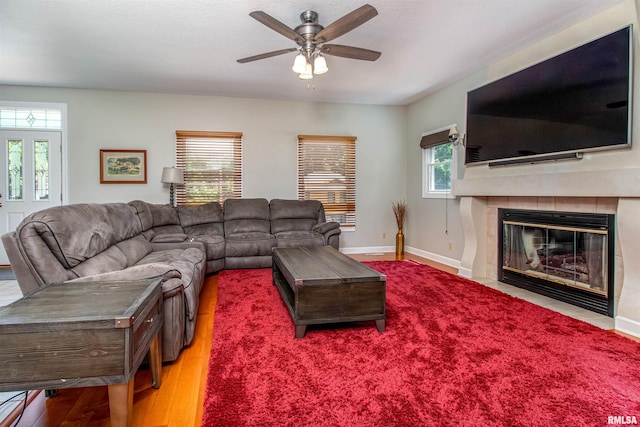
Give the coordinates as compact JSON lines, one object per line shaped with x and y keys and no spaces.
{"x":191,"y":46}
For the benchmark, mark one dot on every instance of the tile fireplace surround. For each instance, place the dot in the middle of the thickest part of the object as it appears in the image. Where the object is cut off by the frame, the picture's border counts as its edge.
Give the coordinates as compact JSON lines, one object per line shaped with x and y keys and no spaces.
{"x":609,"y":191}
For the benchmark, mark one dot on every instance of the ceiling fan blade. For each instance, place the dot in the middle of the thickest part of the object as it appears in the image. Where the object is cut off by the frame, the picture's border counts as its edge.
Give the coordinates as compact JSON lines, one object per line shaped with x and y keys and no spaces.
{"x":266,"y":55}
{"x":350,"y":52}
{"x":276,"y":25}
{"x":347,"y":23}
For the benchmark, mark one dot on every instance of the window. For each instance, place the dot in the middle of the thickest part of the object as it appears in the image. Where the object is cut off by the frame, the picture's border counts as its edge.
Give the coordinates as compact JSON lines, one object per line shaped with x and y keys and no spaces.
{"x":438,"y":163}
{"x":30,"y":118}
{"x":327,"y":172}
{"x":212,"y":164}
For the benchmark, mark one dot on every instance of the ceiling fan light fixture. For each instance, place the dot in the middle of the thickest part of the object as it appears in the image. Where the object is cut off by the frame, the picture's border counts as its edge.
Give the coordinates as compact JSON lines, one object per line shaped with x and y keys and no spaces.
{"x":320,"y":65}
{"x":307,"y":74}
{"x":299,"y":64}
{"x":311,"y":38}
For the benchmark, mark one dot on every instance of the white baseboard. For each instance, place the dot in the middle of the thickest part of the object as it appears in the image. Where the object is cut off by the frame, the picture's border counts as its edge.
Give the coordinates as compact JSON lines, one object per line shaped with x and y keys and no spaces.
{"x":627,"y":326}
{"x":368,"y":250}
{"x":424,"y":254}
{"x":465,"y":272}
{"x":434,"y":257}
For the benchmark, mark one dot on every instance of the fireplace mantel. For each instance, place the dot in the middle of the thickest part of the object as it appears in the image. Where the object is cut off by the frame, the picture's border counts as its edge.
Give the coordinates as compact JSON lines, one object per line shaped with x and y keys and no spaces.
{"x":603,"y":191}
{"x":603,"y":183}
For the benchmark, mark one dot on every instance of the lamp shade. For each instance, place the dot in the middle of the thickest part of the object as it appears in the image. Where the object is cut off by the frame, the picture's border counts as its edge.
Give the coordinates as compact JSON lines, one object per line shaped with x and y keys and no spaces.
{"x":299,"y":64}
{"x":172,"y":175}
{"x":320,"y":65}
{"x":308,"y":73}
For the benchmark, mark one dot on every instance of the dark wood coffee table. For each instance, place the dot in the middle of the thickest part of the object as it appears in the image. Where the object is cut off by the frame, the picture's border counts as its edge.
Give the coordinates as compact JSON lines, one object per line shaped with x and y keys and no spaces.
{"x":321,"y":285}
{"x":83,"y":334}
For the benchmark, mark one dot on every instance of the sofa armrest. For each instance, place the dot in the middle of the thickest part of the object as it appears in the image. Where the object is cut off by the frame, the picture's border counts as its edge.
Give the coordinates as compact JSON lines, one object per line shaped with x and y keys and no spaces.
{"x":188,"y":243}
{"x":169,"y":276}
{"x":330,"y":230}
{"x":324,"y":227}
{"x":169,"y":238}
{"x":136,"y":272}
{"x":149,"y":234}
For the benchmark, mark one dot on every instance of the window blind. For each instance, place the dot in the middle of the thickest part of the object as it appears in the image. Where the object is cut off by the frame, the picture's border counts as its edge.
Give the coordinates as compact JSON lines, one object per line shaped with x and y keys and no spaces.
{"x":433,"y":139}
{"x":327,"y":172}
{"x":212,"y":164}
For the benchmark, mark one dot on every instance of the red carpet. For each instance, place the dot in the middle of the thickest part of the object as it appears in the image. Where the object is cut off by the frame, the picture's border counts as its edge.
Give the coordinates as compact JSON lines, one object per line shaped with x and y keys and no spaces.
{"x":454,"y":353}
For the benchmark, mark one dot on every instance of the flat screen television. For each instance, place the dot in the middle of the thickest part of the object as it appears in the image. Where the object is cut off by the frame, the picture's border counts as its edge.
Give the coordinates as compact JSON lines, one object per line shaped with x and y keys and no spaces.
{"x":577,"y":101}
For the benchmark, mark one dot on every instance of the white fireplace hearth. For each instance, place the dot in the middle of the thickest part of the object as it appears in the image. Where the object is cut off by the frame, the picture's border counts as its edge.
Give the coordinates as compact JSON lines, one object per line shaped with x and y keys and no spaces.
{"x":614,"y":192}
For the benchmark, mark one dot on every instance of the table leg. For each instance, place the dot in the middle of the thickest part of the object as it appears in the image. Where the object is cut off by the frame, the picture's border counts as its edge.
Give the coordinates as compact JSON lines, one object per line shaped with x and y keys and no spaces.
{"x":121,"y":404}
{"x":301,"y":330}
{"x":380,"y":325}
{"x":155,"y":361}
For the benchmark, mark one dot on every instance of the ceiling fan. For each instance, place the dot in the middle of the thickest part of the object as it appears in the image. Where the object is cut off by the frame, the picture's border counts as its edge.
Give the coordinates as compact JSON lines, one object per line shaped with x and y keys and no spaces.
{"x":311,"y":38}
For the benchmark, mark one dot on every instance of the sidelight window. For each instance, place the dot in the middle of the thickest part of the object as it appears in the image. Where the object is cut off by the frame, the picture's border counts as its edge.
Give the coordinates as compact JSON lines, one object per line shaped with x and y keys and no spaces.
{"x":15,"y":158}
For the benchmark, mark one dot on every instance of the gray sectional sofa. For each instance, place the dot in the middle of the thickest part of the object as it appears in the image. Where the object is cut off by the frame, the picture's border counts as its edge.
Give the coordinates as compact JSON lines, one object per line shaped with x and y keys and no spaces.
{"x":135,"y":240}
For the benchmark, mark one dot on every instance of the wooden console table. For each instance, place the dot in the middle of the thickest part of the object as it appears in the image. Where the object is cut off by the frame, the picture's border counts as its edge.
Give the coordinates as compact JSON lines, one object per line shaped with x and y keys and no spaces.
{"x":83,"y":334}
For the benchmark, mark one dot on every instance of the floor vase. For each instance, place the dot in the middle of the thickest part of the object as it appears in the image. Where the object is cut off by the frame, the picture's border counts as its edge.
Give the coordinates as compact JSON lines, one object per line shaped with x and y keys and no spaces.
{"x":399,"y":243}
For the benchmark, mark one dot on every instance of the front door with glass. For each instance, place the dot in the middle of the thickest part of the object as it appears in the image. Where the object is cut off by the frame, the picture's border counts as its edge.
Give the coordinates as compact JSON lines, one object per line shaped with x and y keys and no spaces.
{"x":30,"y":176}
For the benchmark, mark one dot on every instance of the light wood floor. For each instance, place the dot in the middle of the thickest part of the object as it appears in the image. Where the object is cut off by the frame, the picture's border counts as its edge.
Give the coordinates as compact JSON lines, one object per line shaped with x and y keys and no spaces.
{"x":178,"y":402}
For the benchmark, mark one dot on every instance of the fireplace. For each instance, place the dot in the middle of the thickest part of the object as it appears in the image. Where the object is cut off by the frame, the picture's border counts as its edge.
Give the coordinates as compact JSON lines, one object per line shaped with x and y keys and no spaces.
{"x":563,"y":255}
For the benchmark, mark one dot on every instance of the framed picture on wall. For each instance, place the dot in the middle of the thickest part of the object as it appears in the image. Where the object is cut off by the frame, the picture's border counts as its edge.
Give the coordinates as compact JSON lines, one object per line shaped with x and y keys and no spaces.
{"x":123,"y":166}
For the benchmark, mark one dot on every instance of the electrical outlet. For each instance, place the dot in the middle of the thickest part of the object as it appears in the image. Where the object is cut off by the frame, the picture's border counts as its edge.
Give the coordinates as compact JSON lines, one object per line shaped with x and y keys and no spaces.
{"x":450,"y":246}
{"x":384,"y":235}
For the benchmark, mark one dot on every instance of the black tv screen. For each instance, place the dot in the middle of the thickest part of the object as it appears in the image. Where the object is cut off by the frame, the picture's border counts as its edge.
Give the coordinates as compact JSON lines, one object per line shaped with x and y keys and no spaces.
{"x":577,"y":101}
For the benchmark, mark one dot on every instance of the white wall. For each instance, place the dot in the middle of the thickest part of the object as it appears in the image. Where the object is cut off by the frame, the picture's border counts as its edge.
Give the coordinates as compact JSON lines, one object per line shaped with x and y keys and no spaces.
{"x":129,"y":120}
{"x":434,"y":225}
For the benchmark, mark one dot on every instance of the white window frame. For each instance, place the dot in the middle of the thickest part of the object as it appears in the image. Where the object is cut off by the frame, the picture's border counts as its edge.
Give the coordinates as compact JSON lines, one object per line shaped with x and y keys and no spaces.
{"x":427,"y":156}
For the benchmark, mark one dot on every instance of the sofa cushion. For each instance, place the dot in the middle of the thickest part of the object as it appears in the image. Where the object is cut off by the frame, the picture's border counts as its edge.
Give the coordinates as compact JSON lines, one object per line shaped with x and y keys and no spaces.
{"x":164,"y":215}
{"x":134,"y":249}
{"x":215,"y":245}
{"x":295,"y":239}
{"x":190,"y":263}
{"x":75,"y":233}
{"x":246,"y":216}
{"x":108,"y":260}
{"x":249,"y":244}
{"x":200,"y":214}
{"x":208,"y":229}
{"x":144,"y":213}
{"x":292,"y":215}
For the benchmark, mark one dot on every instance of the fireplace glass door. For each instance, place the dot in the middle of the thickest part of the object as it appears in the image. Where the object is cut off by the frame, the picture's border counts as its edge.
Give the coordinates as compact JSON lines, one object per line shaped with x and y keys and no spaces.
{"x":568,"y":256}
{"x":565,"y":255}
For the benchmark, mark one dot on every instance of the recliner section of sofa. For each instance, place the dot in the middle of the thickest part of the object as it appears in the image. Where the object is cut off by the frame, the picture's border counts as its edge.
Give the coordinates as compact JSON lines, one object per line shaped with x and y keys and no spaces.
{"x":297,"y":223}
{"x":204,"y":223}
{"x":247,"y":233}
{"x":104,"y":242}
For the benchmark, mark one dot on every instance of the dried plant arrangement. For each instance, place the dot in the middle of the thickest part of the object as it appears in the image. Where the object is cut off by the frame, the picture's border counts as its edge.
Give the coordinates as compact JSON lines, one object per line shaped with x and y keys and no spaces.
{"x":400,"y":211}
